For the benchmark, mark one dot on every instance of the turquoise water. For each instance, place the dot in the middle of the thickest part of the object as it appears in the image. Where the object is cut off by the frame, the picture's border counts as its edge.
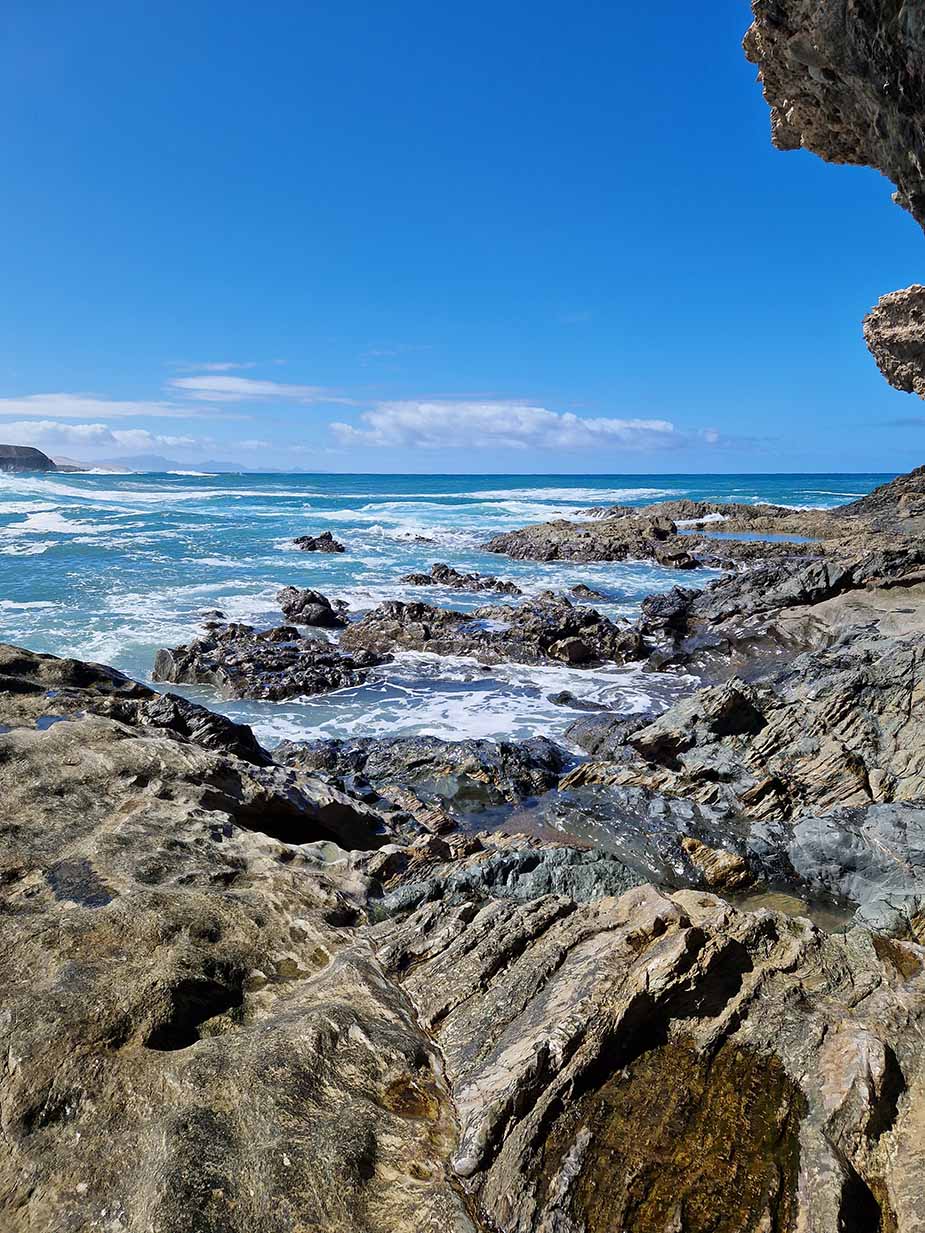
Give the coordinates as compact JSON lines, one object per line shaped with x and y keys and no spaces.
{"x":112,"y":567}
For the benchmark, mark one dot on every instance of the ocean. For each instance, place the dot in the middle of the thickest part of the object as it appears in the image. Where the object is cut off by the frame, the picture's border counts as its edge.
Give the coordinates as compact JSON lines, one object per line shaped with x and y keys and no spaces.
{"x":111,"y":567}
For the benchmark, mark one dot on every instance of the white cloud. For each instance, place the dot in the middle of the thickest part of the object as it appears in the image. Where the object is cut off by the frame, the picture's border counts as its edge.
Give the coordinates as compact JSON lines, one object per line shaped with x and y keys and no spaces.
{"x":206,"y":388}
{"x":85,"y":406}
{"x":506,"y":425}
{"x":49,"y":434}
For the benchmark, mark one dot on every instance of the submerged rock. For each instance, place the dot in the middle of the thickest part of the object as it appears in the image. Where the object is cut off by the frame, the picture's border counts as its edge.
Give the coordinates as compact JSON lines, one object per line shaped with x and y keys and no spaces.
{"x":325,"y":542}
{"x":549,"y":628}
{"x":242,"y":662}
{"x":445,"y":576}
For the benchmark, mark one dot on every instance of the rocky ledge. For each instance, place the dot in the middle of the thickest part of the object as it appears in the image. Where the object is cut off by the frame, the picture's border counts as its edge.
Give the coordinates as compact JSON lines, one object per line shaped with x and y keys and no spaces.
{"x":548,"y":628}
{"x":240,"y":661}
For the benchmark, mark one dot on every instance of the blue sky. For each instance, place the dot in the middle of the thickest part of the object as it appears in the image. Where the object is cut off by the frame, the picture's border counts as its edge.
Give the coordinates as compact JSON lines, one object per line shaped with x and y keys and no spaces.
{"x":417,"y":237}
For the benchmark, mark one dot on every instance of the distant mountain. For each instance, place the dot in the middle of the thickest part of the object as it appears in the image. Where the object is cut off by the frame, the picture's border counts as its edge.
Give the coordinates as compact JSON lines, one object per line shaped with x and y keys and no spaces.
{"x":24,"y":458}
{"x":156,"y":462}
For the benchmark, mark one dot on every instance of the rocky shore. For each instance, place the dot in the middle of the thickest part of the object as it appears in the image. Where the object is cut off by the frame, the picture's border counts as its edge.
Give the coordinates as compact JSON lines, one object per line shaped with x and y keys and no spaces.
{"x":667,"y":976}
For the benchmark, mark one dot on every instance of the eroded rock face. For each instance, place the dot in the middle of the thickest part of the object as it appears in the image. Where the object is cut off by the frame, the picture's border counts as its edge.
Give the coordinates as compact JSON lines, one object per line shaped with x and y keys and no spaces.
{"x":568,"y":1030}
{"x":243,"y":662}
{"x":445,"y":576}
{"x":895,"y":335}
{"x":848,"y":83}
{"x":549,"y":628}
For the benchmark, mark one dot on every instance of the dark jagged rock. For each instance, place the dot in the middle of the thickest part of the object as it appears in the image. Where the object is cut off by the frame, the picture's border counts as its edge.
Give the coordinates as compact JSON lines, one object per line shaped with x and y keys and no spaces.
{"x":24,"y":458}
{"x":585,"y":592}
{"x":325,"y":542}
{"x":522,"y":871}
{"x":242,"y":662}
{"x":462,"y":775}
{"x":306,"y":607}
{"x":893,"y":504}
{"x":445,"y":576}
{"x":549,"y":628}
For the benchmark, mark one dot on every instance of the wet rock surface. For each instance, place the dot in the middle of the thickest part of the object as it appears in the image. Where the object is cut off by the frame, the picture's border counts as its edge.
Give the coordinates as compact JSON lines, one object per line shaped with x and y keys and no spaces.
{"x":549,"y":628}
{"x":445,"y":576}
{"x":240,"y":661}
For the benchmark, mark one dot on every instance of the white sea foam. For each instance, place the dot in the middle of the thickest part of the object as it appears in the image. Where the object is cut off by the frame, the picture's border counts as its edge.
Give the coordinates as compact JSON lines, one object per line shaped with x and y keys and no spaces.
{"x":593,"y":496}
{"x":56,"y":524}
{"x":14,"y":605}
{"x":699,"y":522}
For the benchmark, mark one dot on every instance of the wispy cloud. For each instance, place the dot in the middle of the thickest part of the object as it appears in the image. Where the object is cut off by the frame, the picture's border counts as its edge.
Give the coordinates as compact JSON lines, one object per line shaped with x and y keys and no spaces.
{"x":86,"y":406}
{"x":205,"y":388}
{"x":508,"y":425}
{"x":50,"y":434}
{"x":214,"y":366}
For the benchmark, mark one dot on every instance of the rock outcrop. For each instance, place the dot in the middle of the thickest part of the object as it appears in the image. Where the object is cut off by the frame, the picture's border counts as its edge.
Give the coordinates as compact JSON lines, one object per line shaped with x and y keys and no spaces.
{"x":325,"y":542}
{"x":894,"y":331}
{"x":837,"y":727}
{"x":443,"y":575}
{"x":240,"y":661}
{"x":847,"y":82}
{"x":24,"y":458}
{"x":548,"y":628}
{"x":604,"y":540}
